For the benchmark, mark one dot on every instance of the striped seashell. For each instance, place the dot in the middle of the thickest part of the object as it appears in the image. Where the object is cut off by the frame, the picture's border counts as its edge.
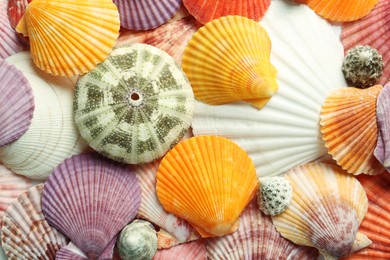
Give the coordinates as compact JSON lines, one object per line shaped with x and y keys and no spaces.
{"x":135,"y":106}
{"x":195,"y":250}
{"x":381,"y":152}
{"x":146,"y":14}
{"x":72,"y":252}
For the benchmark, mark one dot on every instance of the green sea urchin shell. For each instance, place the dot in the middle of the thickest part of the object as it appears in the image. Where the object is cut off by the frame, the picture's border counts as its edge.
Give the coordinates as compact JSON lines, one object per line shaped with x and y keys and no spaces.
{"x":275,"y":195}
{"x":134,"y":106}
{"x":137,"y":241}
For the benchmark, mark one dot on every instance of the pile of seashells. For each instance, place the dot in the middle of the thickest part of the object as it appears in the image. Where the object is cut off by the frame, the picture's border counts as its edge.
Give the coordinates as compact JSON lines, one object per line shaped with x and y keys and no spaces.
{"x":194,"y":129}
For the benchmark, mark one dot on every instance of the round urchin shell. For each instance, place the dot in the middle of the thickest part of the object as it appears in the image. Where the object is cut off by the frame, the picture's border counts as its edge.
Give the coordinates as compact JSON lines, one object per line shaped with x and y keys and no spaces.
{"x":362,"y":66}
{"x":138,"y":240}
{"x":134,"y":106}
{"x":274,"y":196}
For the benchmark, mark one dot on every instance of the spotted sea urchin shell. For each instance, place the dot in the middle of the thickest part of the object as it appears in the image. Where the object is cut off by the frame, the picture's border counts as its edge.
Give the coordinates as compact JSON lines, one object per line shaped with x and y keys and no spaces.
{"x":274,"y":195}
{"x":134,"y":106}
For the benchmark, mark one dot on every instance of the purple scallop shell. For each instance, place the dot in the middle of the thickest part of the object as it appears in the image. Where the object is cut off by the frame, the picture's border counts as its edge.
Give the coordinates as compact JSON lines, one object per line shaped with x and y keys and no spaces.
{"x":146,"y":14}
{"x":90,"y":199}
{"x":16,"y":103}
{"x":72,"y":252}
{"x":382,"y":149}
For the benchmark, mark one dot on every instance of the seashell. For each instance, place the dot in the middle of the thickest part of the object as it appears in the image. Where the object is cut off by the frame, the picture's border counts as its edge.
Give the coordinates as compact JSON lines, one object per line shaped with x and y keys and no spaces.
{"x":341,"y":10}
{"x":381,"y":152}
{"x":52,"y":135}
{"x":9,"y":42}
{"x":72,"y":252}
{"x":16,"y":10}
{"x":200,"y":181}
{"x":195,"y":250}
{"x":138,"y":240}
{"x":11,"y":186}
{"x":146,"y":14}
{"x":326,"y":210}
{"x":151,"y":209}
{"x":135,"y":105}
{"x":17,"y":103}
{"x":256,"y":238}
{"x":232,"y":65}
{"x":274,"y":195}
{"x":376,"y":223}
{"x":286,"y":131}
{"x":206,"y":12}
{"x":349,"y":129}
{"x":371,"y":30}
{"x":25,"y":232}
{"x":90,"y":214}
{"x":55,"y":28}
{"x":171,"y":37}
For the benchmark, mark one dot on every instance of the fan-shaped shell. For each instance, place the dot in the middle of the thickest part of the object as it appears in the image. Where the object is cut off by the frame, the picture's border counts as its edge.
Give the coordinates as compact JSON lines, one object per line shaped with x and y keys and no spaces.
{"x":146,"y":14}
{"x":372,"y":30}
{"x":55,"y":28}
{"x":195,"y":250}
{"x":135,"y":105}
{"x":349,"y":128}
{"x":11,"y":186}
{"x":381,"y":151}
{"x":171,"y":37}
{"x":72,"y":252}
{"x":16,"y":103}
{"x":151,"y":209}
{"x":326,"y":210}
{"x":286,"y":131}
{"x":201,"y":181}
{"x":232,"y":65}
{"x":103,"y":199}
{"x":256,"y":238}
{"x":16,"y":10}
{"x":213,"y":9}
{"x":25,"y":232}
{"x":52,"y":135}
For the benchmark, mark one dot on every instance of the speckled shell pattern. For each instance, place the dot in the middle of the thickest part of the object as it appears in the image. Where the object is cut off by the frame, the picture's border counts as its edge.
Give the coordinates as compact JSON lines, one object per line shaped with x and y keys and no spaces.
{"x":16,"y":10}
{"x":372,"y":30}
{"x":195,"y":250}
{"x":16,"y":103}
{"x":103,"y":199}
{"x":9,"y":42}
{"x":326,"y":210}
{"x":152,"y":210}
{"x":171,"y":37}
{"x":52,"y":135}
{"x":146,"y":14}
{"x":256,"y":238}
{"x":11,"y":186}
{"x":25,"y":233}
{"x":134,"y":106}
{"x":349,"y":129}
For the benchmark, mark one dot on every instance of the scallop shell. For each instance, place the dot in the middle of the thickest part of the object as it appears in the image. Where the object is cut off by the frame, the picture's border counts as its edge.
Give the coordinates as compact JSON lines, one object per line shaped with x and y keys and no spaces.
{"x":326,"y":210}
{"x":70,"y":252}
{"x":134,"y":106}
{"x":213,"y":9}
{"x":195,"y":250}
{"x":171,"y":37}
{"x":200,"y":181}
{"x":52,"y":135}
{"x":286,"y":131}
{"x":16,"y":10}
{"x":349,"y":129}
{"x":25,"y":232}
{"x":341,"y":10}
{"x":17,"y":103}
{"x":152,"y":210}
{"x":55,"y":28}
{"x":232,"y":65}
{"x":90,"y":214}
{"x":9,"y":42}
{"x":256,"y":238}
{"x":146,"y":14}
{"x":372,"y":30}
{"x":11,"y":186}
{"x":381,"y":152}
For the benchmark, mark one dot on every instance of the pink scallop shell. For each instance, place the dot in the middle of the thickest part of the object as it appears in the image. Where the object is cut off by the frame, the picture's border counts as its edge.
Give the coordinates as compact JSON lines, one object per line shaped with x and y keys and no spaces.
{"x":16,"y":103}
{"x":372,"y":30}
{"x":146,"y":14}
{"x":195,"y":250}
{"x":90,"y":199}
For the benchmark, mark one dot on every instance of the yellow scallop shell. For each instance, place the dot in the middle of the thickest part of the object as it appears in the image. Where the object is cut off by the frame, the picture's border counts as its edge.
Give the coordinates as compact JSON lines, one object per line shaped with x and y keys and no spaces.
{"x":228,"y":60}
{"x":70,"y":37}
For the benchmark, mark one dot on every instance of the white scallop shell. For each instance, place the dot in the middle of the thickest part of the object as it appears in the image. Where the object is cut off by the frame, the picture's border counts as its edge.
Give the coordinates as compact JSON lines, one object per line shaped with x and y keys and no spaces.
{"x":52,"y":135}
{"x":308,"y":56}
